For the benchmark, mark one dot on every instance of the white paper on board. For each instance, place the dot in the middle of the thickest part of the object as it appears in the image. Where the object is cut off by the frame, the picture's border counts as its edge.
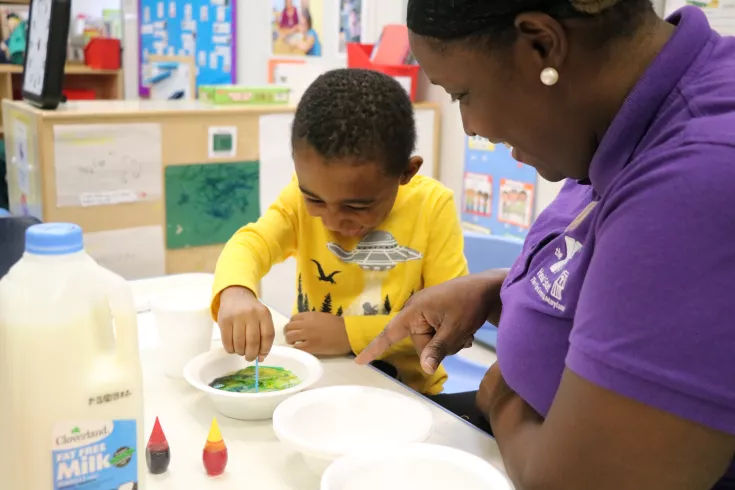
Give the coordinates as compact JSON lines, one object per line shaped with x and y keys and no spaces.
{"x":221,"y":14}
{"x":213,"y":60}
{"x":107,"y":163}
{"x":204,"y":13}
{"x":425,"y":121}
{"x":226,"y":131}
{"x":172,"y":9}
{"x":405,"y":83}
{"x":276,"y":172}
{"x":20,"y":156}
{"x":276,"y":159}
{"x":133,"y":253}
{"x":159,"y":10}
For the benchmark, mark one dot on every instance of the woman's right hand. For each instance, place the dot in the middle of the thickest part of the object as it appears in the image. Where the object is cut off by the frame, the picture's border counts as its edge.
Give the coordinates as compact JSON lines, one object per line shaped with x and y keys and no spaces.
{"x":443,"y":319}
{"x":246,"y":324}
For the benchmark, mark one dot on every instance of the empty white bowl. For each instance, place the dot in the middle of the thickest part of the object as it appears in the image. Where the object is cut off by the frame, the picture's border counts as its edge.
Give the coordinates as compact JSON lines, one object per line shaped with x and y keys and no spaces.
{"x":424,"y":466}
{"x":205,"y":368}
{"x":327,"y":423}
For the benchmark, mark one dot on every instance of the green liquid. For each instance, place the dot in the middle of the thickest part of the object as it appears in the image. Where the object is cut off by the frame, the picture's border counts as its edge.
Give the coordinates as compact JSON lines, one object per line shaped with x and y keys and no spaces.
{"x":269,"y":379}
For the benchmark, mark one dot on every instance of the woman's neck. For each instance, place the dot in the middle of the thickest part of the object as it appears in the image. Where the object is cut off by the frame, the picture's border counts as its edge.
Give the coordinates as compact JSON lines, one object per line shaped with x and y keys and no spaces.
{"x":623,"y":71}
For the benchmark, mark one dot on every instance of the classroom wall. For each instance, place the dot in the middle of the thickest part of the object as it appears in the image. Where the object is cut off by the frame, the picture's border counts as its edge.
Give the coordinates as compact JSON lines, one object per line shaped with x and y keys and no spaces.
{"x":92,"y":8}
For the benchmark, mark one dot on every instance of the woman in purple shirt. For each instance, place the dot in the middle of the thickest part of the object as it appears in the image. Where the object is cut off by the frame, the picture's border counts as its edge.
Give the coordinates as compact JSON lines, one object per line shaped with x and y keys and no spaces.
{"x":616,"y":348}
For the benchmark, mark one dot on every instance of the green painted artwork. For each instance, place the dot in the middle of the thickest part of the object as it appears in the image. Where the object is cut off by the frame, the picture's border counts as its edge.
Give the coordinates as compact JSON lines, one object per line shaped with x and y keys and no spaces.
{"x":269,"y":379}
{"x":207,"y":203}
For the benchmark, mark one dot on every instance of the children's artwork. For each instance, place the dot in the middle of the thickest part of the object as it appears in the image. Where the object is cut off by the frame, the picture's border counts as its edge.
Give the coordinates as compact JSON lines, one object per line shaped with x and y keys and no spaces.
{"x":246,"y":381}
{"x":478,"y":194}
{"x":157,"y":452}
{"x":214,"y":455}
{"x":103,"y":164}
{"x":23,"y":175}
{"x":201,"y":30}
{"x":498,"y":191}
{"x":516,"y":203}
{"x":297,"y":27}
{"x":207,"y":203}
{"x":350,"y":23}
{"x":172,"y":78}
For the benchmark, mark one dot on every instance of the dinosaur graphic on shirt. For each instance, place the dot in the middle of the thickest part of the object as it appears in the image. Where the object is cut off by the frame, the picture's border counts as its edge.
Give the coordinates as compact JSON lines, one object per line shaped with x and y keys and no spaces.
{"x":322,"y":276}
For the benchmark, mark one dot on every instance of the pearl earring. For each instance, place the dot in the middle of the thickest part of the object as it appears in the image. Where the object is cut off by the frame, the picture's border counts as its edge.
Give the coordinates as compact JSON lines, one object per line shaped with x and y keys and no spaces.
{"x":549,"y":76}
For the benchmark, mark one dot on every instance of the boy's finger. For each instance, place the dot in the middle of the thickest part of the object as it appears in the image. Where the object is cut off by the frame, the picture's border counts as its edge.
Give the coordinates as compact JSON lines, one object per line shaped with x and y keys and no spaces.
{"x":304,"y":346}
{"x":294,"y":336}
{"x":396,"y":330}
{"x":267,"y":334}
{"x":225,"y":329}
{"x":238,"y":336}
{"x":252,"y":340}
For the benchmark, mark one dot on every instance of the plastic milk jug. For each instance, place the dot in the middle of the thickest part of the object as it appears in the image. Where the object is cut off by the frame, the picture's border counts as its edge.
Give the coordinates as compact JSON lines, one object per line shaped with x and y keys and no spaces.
{"x":71,"y":403}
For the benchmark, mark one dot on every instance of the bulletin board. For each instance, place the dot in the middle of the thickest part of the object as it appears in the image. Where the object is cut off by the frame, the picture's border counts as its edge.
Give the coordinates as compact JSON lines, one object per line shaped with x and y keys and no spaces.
{"x":202,"y":29}
{"x":498,"y":193}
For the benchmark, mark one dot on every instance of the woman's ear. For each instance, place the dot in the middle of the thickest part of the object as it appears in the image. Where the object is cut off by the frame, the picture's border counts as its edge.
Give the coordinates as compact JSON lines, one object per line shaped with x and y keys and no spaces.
{"x":414,"y":165}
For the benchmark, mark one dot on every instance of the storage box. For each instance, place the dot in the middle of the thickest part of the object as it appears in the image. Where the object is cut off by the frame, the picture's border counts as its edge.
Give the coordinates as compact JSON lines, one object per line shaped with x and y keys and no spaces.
{"x":245,"y":95}
{"x":358,"y":56}
{"x":103,"y":54}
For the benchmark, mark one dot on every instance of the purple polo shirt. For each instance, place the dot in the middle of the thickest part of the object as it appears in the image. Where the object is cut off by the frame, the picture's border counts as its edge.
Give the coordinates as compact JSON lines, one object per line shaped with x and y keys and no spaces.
{"x":628,"y":282}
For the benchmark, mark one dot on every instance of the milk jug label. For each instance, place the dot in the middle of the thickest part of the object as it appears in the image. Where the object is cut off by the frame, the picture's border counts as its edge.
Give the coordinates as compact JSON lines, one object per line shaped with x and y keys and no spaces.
{"x":95,"y":455}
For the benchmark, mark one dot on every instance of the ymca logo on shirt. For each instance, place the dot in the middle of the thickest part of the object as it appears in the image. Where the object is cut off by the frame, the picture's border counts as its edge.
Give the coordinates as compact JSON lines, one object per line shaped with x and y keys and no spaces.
{"x":549,"y":283}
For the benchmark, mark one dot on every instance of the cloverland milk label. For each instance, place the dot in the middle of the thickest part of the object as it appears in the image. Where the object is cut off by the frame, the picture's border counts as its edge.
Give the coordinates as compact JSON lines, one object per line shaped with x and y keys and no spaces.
{"x":95,"y":455}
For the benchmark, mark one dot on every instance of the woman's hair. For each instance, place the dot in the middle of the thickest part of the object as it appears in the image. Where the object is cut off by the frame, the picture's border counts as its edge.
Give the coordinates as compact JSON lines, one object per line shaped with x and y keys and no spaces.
{"x":307,"y":17}
{"x":362,"y":115}
{"x":456,"y":20}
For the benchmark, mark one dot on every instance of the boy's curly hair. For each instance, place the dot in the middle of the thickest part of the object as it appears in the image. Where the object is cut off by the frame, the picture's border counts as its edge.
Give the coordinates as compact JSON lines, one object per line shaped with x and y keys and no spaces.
{"x":355,"y":114}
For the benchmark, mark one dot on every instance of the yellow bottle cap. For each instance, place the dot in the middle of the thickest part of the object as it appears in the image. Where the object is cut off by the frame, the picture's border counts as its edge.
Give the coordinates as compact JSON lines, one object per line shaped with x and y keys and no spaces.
{"x":214,"y":434}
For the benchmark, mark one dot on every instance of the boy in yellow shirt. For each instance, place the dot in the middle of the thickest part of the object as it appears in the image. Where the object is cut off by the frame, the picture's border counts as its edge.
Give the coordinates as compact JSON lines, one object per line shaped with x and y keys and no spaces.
{"x":366,"y":231}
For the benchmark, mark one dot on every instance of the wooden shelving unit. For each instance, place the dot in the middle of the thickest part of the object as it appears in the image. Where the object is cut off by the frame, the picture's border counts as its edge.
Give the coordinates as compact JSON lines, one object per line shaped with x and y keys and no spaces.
{"x":107,"y":84}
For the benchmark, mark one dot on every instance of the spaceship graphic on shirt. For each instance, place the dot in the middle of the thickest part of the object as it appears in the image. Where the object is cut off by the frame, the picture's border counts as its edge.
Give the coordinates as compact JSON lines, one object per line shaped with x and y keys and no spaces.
{"x":377,"y":251}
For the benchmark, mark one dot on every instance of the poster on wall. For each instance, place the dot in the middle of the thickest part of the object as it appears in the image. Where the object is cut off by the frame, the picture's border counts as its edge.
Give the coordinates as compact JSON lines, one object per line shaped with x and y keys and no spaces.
{"x":499,"y":193}
{"x":721,"y":13}
{"x":350,"y":23}
{"x":202,"y":31}
{"x":297,"y":27}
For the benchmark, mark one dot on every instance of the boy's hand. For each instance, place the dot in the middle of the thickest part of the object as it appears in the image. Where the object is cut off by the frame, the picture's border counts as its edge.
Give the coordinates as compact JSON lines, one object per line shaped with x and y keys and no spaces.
{"x":246,"y":324}
{"x":318,"y":333}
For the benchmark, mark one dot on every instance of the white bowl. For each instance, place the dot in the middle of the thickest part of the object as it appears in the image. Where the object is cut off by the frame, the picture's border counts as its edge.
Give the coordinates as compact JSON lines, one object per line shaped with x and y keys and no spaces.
{"x":205,"y":368}
{"x":327,"y":423}
{"x":424,"y":466}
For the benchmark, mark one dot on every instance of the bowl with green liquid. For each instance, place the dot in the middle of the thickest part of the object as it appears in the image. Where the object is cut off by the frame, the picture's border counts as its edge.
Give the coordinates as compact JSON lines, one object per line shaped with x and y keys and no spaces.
{"x":237,"y":392}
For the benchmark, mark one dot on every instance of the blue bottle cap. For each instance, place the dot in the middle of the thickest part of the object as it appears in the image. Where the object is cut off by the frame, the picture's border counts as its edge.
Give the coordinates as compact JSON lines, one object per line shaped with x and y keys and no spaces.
{"x":54,"y":239}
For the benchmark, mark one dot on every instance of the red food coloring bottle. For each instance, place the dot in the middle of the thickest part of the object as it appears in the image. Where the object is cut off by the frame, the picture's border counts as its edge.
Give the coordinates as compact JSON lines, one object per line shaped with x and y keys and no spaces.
{"x":157,"y":452}
{"x":214,"y":455}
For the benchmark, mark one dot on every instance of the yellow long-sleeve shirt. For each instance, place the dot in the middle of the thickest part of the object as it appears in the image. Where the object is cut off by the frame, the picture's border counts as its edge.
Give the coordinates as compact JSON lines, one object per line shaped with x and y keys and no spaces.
{"x":368,"y":280}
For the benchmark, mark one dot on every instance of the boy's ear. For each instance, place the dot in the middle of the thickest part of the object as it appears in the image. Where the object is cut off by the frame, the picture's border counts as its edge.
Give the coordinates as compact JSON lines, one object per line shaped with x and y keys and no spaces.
{"x":414,"y":165}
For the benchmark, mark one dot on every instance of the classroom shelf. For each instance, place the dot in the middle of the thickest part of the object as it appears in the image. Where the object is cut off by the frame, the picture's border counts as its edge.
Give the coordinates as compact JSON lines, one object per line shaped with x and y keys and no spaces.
{"x":106,"y":84}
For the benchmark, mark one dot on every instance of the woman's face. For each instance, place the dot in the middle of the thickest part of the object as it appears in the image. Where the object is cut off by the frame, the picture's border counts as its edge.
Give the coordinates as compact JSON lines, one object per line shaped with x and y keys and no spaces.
{"x":501,"y":98}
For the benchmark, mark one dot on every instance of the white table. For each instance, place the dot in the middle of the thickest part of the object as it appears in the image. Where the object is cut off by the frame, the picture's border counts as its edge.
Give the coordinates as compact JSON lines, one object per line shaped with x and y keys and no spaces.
{"x":257,"y":460}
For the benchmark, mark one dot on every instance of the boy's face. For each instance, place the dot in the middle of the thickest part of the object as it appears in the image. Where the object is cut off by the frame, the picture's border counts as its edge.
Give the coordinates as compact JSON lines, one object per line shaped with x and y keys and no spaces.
{"x":352,"y":199}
